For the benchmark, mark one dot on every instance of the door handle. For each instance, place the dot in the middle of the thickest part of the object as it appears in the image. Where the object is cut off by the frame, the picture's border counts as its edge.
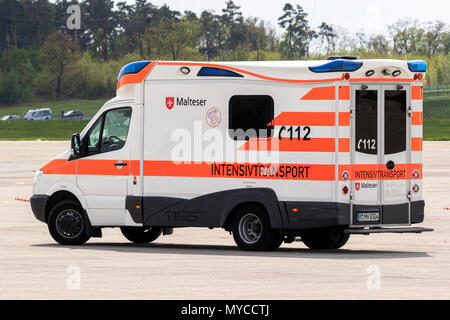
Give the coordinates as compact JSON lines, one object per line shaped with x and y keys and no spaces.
{"x":120,"y":164}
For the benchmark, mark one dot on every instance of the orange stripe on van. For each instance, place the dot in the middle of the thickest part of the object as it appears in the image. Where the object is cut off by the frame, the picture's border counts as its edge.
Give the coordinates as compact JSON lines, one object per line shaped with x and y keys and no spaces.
{"x":60,"y":166}
{"x":416,"y":93}
{"x":91,"y":167}
{"x":344,"y":145}
{"x":214,"y":65}
{"x":315,"y":172}
{"x":416,"y":144}
{"x":344,"y":93}
{"x":136,"y":77}
{"x":363,"y":172}
{"x":320,"y":93}
{"x":101,"y":167}
{"x":344,"y":119}
{"x":417,"y":118}
{"x":304,"y":119}
{"x":286,"y":144}
{"x":135,"y":167}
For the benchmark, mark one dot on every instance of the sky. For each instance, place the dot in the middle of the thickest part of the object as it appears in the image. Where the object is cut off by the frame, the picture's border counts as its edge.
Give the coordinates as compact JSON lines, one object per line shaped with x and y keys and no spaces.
{"x":355,"y":15}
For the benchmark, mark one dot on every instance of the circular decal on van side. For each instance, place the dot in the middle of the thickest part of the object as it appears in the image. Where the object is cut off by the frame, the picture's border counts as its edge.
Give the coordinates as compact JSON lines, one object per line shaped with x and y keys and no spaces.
{"x":213,"y":117}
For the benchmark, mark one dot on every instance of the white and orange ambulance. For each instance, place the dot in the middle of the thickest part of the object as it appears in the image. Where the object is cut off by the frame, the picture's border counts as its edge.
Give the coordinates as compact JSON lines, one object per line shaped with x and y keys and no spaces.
{"x":269,"y":151}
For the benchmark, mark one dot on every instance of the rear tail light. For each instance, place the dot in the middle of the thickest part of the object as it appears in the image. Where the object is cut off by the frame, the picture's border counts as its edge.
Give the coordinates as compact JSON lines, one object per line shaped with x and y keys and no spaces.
{"x":345,"y":76}
{"x":415,"y":188}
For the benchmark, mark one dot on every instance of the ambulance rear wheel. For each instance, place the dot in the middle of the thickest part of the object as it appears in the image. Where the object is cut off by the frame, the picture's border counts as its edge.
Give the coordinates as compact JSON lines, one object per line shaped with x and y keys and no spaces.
{"x":141,"y":234}
{"x":67,"y":224}
{"x":252,"y":231}
{"x":326,"y":238}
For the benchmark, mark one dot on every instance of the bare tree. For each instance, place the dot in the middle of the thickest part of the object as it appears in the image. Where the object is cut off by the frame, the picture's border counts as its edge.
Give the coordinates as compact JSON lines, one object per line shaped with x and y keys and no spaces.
{"x":327,"y":34}
{"x":378,"y":43}
{"x":432,"y":36}
{"x":405,"y":35}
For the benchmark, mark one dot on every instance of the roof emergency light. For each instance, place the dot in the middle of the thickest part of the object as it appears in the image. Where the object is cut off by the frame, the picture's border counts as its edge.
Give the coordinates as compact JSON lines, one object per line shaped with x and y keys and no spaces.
{"x":131,"y":68}
{"x":417,"y":66}
{"x":337,"y":66}
{"x":217,"y":72}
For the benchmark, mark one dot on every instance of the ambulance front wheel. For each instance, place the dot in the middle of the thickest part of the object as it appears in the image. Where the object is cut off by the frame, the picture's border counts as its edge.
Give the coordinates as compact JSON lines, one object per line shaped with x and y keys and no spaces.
{"x":67,"y":224}
{"x":252,"y":231}
{"x":141,"y":234}
{"x":326,"y":238}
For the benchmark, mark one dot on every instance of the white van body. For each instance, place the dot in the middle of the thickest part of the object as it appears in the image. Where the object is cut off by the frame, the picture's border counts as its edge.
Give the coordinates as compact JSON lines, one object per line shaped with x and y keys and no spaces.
{"x":344,"y":148}
{"x":38,"y":114}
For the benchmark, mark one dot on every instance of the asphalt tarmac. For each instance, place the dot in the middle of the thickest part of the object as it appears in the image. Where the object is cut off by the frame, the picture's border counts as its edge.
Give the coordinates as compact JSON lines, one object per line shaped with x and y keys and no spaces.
{"x":198,"y":263}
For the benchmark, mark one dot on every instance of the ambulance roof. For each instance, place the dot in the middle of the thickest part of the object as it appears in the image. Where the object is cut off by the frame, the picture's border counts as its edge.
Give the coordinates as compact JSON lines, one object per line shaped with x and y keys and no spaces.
{"x":306,"y":71}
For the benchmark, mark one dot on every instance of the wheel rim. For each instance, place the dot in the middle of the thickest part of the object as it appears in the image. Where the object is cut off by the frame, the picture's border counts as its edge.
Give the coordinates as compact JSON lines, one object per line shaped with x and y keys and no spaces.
{"x":69,"y":223}
{"x":250,"y":228}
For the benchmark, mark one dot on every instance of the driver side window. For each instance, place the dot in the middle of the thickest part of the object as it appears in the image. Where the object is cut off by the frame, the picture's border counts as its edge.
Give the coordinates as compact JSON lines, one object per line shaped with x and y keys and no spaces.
{"x":109,"y":132}
{"x":115,"y":129}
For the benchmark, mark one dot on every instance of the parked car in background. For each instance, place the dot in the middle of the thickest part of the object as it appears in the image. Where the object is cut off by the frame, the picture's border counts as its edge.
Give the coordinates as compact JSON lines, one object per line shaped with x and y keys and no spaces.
{"x":38,"y":114}
{"x":10,"y":117}
{"x":72,"y":115}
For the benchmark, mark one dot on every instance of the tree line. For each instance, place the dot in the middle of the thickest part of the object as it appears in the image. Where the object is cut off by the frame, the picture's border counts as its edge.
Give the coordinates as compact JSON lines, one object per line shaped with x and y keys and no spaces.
{"x":41,"y":57}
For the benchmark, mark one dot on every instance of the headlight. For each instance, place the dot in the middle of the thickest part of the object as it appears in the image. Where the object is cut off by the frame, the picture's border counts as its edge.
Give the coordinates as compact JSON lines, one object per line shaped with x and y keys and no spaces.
{"x":37,"y":176}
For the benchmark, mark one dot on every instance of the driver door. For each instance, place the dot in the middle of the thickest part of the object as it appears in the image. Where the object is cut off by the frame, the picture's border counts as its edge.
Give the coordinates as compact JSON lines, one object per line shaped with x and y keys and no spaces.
{"x":103,"y":170}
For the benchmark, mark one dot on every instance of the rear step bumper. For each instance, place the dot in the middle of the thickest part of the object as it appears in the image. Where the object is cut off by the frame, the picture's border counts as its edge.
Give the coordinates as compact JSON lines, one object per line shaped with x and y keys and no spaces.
{"x":387,"y":230}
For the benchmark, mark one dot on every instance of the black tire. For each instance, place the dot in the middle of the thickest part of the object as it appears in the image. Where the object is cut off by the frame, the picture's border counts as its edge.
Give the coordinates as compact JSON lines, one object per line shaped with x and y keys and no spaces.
{"x":278,"y":242}
{"x":259,"y":235}
{"x":141,"y":234}
{"x":67,"y":223}
{"x":326,"y":238}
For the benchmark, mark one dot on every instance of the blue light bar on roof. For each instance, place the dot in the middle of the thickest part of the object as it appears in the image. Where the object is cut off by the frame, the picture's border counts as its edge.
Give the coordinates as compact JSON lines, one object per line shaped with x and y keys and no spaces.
{"x":217,"y":72}
{"x":338,"y":65}
{"x":133,"y":67}
{"x":417,"y":66}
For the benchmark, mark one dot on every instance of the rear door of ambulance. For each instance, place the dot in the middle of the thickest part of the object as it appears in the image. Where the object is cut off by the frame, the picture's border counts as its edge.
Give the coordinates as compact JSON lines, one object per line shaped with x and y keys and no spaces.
{"x":380,"y":155}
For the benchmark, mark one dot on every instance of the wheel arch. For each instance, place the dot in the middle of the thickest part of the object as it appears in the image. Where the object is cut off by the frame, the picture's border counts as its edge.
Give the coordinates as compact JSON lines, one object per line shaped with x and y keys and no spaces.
{"x":265,"y":198}
{"x":57,"y":197}
{"x":64,"y":195}
{"x":230,"y":217}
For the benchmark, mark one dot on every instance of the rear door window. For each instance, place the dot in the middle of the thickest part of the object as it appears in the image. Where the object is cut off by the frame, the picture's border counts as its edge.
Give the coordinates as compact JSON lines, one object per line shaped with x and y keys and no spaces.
{"x":366,"y":102}
{"x":394,"y":121}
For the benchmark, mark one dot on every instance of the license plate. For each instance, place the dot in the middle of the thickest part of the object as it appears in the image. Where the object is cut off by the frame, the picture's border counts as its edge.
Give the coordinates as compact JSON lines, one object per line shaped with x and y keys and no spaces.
{"x":367,"y":216}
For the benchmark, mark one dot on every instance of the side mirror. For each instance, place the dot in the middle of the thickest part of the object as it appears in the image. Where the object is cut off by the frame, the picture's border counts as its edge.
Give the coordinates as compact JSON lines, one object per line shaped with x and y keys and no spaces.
{"x":75,"y":145}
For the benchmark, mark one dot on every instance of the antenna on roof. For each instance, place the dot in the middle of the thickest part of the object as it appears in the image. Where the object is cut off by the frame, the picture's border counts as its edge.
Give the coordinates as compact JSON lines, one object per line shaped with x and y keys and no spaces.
{"x":343,"y":57}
